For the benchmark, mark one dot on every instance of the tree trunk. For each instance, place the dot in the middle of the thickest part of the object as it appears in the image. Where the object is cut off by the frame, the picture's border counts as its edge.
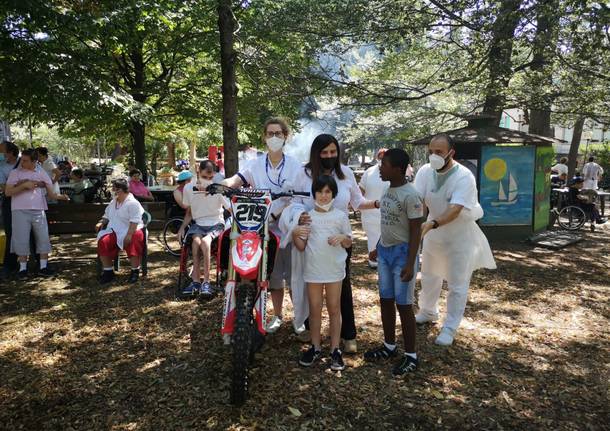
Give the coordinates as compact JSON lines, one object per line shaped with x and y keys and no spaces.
{"x":171,"y":154}
{"x":137,"y":92}
{"x":545,"y":45}
{"x":499,"y":58}
{"x":226,"y":26}
{"x":573,"y":156}
{"x":139,"y":146}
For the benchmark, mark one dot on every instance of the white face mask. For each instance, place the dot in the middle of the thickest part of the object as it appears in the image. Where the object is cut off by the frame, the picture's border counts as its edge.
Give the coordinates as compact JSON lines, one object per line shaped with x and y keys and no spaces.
{"x":203,"y":184}
{"x":436,"y":162}
{"x":325,"y":207}
{"x":275,"y":144}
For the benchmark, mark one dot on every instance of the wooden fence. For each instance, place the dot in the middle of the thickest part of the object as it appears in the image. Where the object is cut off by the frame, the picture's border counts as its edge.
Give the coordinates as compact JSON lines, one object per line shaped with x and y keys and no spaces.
{"x":81,"y":218}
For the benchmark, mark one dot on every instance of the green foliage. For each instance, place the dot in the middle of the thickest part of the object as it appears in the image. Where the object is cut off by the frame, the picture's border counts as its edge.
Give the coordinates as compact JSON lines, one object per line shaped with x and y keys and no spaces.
{"x":391,"y":71}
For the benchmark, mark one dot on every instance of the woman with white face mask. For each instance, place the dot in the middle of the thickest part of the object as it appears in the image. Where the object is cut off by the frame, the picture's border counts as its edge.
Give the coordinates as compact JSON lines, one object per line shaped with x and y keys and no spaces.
{"x":276,"y":171}
{"x":453,"y":245}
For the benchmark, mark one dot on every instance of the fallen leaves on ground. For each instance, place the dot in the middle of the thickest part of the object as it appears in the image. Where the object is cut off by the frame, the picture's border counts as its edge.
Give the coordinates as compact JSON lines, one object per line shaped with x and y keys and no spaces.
{"x":532,"y":353}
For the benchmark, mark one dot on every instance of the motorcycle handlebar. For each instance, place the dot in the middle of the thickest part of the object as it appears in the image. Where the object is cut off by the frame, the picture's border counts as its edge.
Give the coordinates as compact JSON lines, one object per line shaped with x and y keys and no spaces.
{"x":252,"y":193}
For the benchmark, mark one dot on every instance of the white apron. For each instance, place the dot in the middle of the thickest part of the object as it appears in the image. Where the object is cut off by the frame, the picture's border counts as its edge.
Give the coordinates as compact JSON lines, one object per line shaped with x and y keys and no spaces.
{"x":455,"y":250}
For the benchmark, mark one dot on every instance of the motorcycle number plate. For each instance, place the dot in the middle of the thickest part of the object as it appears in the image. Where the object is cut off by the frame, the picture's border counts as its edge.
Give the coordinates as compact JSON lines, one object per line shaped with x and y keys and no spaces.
{"x":250,"y":215}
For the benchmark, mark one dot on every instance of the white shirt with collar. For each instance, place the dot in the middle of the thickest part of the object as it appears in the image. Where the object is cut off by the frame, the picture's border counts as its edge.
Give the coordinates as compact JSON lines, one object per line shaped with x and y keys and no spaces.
{"x":120,"y":215}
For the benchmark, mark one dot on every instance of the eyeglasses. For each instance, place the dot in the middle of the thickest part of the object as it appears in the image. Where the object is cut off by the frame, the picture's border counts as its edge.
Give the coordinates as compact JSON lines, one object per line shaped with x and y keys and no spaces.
{"x":276,"y":134}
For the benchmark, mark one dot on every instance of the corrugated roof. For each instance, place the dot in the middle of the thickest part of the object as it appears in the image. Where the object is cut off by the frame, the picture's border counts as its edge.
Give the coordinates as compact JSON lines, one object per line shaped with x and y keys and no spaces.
{"x":489,"y":135}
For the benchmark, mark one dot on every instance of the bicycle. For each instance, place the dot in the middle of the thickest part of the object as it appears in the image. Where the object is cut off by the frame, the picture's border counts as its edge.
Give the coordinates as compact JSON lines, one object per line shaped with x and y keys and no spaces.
{"x":250,"y":260}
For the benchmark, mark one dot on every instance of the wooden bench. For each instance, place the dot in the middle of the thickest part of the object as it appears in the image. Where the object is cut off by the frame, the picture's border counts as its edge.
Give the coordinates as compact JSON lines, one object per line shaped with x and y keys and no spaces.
{"x":81,"y":218}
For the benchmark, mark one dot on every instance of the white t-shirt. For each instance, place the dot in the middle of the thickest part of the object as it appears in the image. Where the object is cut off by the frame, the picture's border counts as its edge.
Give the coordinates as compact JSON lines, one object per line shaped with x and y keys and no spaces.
{"x":49,"y":166}
{"x":261,"y":174}
{"x":373,"y":187}
{"x":325,"y":263}
{"x":119,"y":217}
{"x":206,"y":209}
{"x":348,"y":190}
{"x":560,"y":168}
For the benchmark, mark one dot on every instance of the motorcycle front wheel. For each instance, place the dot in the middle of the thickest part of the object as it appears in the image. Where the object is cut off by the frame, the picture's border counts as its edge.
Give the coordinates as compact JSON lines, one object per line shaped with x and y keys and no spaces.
{"x":242,"y":342}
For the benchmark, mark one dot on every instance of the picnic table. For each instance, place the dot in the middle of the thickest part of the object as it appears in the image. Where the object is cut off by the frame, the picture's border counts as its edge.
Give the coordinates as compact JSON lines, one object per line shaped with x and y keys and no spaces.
{"x":163,"y":194}
{"x":602,"y":200}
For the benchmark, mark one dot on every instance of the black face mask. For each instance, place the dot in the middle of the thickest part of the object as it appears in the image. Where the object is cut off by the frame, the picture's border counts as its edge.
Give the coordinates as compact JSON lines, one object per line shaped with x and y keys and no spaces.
{"x":328,"y":162}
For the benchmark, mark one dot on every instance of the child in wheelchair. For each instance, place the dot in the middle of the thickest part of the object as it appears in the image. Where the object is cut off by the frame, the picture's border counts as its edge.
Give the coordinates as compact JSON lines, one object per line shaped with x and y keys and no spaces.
{"x":587,"y":205}
{"x":207,"y":213}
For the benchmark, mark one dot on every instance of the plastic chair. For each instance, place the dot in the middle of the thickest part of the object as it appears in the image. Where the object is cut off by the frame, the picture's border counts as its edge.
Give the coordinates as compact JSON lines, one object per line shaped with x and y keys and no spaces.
{"x":146,"y":219}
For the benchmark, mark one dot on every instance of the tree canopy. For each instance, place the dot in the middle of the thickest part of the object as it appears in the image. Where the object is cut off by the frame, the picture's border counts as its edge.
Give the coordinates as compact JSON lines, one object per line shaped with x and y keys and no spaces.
{"x":392,"y":70}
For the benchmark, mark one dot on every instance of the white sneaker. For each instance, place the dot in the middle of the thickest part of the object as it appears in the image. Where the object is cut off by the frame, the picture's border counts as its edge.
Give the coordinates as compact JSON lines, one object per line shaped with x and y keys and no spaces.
{"x":421,"y":318}
{"x":274,"y":324}
{"x":445,"y":337}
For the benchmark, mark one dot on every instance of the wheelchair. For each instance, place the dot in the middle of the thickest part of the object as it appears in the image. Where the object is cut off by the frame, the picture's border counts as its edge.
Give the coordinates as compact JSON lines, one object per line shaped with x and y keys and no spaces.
{"x":219,"y":256}
{"x":573,"y":216}
{"x":186,"y":263}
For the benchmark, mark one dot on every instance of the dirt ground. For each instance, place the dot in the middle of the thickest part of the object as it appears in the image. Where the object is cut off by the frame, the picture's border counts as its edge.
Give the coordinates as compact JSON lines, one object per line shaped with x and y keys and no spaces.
{"x":532,"y":353}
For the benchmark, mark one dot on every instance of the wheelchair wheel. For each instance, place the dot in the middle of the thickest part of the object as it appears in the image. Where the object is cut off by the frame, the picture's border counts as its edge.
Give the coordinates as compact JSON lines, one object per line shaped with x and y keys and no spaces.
{"x":571,"y":218}
{"x":184,"y":272}
{"x":170,"y":236}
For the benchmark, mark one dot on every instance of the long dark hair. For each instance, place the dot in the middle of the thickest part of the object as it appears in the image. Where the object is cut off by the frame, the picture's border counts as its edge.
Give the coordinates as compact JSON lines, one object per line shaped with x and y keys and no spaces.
{"x":314,"y":167}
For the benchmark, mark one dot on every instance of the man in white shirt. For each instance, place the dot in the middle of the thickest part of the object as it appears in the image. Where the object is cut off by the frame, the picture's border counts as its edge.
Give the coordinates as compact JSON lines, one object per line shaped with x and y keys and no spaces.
{"x":49,"y":166}
{"x":372,"y":188}
{"x":453,"y":244}
{"x":561,"y":168}
{"x":592,"y":172}
{"x":120,"y":229}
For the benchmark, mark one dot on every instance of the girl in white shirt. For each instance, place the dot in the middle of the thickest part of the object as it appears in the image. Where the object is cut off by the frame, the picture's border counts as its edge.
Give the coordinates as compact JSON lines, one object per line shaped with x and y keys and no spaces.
{"x":324,"y":243}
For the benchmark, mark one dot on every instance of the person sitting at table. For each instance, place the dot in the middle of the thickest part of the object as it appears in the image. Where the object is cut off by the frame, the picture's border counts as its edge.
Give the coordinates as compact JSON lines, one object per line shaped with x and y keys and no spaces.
{"x":137,"y":187}
{"x":184,"y":178}
{"x":575,"y":198}
{"x":120,"y":229}
{"x":78,"y":183}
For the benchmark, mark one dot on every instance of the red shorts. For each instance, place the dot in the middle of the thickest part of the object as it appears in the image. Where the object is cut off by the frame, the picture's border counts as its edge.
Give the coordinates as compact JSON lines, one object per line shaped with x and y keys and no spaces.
{"x":108,"y":247}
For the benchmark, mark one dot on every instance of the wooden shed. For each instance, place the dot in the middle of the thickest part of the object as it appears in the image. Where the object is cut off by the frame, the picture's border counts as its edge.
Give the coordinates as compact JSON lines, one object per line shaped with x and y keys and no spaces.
{"x":512,"y":169}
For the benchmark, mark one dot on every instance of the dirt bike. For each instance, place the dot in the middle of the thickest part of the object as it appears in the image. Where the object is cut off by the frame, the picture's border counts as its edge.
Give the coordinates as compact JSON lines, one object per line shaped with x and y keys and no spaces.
{"x":250,"y":255}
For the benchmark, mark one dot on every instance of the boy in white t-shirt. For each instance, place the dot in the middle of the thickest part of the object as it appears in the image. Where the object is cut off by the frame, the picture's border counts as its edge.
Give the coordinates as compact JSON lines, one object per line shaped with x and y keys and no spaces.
{"x":207,"y":212}
{"x":324,"y":242}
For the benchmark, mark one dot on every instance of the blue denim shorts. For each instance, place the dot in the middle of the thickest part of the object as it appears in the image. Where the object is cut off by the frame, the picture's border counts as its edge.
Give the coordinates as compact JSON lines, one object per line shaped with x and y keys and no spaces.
{"x":390,"y":261}
{"x":202,"y":231}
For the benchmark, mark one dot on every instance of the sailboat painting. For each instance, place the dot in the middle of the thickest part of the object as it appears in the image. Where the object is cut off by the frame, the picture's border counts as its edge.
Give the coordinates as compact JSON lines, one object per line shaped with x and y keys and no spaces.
{"x":513,"y":192}
{"x":506,"y":185}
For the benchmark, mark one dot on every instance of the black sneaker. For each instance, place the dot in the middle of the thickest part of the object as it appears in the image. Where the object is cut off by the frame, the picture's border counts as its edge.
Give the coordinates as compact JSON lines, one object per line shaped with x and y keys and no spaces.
{"x":336,"y":363}
{"x":46,"y":272}
{"x":406,"y":365}
{"x":380,"y":353}
{"x":107,"y":277}
{"x":22,"y":274}
{"x":309,"y":357}
{"x":134,"y":276}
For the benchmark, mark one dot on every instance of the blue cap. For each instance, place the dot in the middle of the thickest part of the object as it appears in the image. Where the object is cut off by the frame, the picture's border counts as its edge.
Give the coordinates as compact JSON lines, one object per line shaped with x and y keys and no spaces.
{"x":184,"y":176}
